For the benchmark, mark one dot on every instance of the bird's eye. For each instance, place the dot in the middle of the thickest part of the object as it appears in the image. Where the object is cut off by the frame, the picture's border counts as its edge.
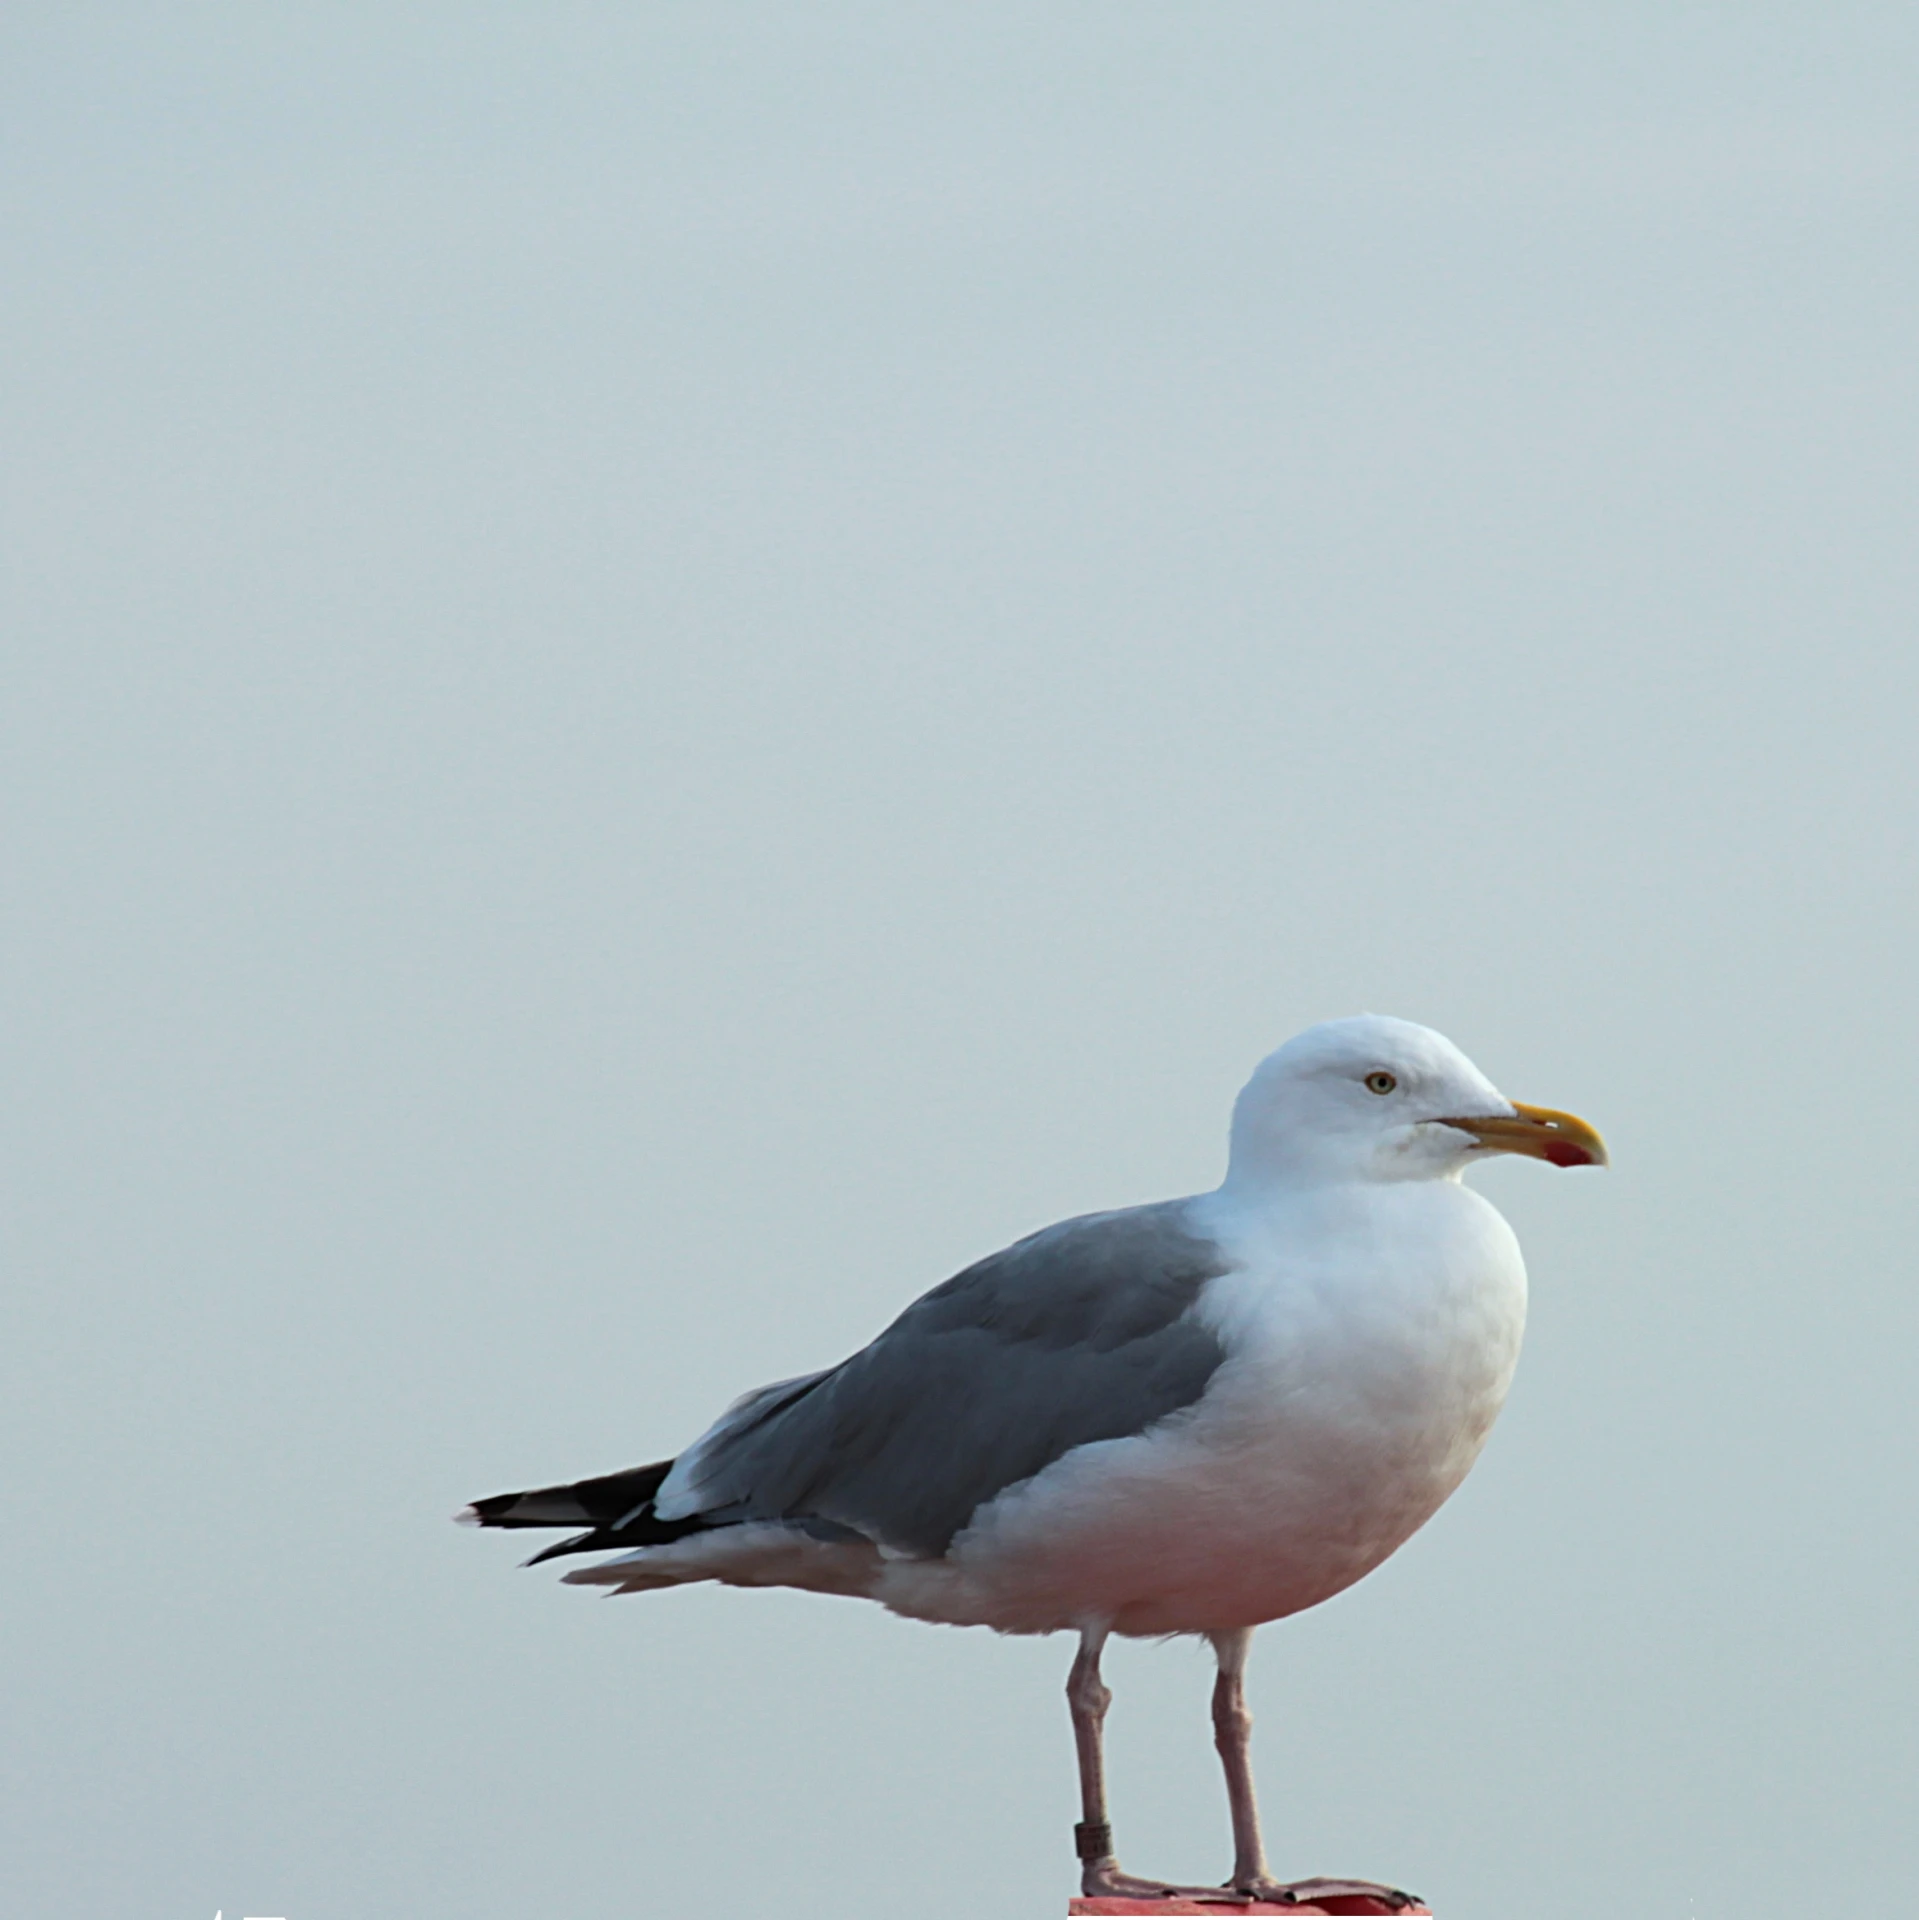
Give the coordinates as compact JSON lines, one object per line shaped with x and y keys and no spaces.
{"x":1381,"y":1082}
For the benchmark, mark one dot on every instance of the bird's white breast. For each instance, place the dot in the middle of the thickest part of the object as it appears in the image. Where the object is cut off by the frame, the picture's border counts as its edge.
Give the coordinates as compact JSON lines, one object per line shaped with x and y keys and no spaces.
{"x":1370,"y":1333}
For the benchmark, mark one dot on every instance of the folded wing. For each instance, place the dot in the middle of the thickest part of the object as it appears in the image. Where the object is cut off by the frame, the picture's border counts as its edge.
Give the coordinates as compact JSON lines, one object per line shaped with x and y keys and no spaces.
{"x":1081,"y":1332}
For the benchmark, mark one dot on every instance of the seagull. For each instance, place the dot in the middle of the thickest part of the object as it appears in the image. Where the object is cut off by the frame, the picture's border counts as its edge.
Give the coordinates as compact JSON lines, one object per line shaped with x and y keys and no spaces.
{"x":1189,"y":1417}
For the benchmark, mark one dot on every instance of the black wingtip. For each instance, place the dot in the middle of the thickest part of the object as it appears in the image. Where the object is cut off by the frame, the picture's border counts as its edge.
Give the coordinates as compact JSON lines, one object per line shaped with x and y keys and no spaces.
{"x":579,"y":1543}
{"x":617,"y":1509}
{"x":496,"y":1510}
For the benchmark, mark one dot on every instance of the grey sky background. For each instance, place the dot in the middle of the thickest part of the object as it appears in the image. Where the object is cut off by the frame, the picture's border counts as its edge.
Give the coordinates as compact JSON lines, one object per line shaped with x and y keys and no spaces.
{"x":669,"y":669}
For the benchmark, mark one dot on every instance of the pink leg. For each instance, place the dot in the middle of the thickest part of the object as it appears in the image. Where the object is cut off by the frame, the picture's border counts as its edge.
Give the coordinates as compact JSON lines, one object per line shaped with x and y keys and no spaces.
{"x":1233,"y":1735}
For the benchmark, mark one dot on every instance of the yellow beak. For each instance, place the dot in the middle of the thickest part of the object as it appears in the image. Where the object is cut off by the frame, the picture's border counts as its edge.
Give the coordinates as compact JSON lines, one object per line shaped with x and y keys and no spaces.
{"x":1563,"y":1138}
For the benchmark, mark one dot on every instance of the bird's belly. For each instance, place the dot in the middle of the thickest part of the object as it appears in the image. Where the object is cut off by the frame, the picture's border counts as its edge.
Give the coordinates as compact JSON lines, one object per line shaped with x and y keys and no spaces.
{"x":1294,"y":1477}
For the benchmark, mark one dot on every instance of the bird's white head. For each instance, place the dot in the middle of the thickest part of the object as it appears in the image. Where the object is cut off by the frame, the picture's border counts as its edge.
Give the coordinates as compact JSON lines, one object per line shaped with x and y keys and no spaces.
{"x":1372,"y":1098}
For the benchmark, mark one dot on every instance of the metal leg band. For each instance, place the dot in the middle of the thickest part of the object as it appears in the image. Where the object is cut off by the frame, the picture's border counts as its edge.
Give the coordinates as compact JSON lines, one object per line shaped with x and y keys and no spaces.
{"x":1092,"y":1839}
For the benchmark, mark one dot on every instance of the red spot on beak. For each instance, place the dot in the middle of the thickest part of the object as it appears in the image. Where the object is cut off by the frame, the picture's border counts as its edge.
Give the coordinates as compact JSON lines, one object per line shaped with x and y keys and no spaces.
{"x":1565,"y":1153}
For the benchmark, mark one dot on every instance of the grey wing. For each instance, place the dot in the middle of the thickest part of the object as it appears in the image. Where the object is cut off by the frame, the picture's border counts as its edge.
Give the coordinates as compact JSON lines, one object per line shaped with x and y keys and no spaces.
{"x":1081,"y":1332}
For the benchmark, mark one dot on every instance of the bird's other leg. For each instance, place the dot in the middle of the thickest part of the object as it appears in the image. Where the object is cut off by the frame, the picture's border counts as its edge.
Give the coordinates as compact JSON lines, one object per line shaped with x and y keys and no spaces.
{"x":1233,"y":1735}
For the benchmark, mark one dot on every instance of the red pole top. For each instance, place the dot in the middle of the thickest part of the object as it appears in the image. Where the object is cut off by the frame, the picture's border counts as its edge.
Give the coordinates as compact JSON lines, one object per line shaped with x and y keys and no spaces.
{"x":1224,"y":1909}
